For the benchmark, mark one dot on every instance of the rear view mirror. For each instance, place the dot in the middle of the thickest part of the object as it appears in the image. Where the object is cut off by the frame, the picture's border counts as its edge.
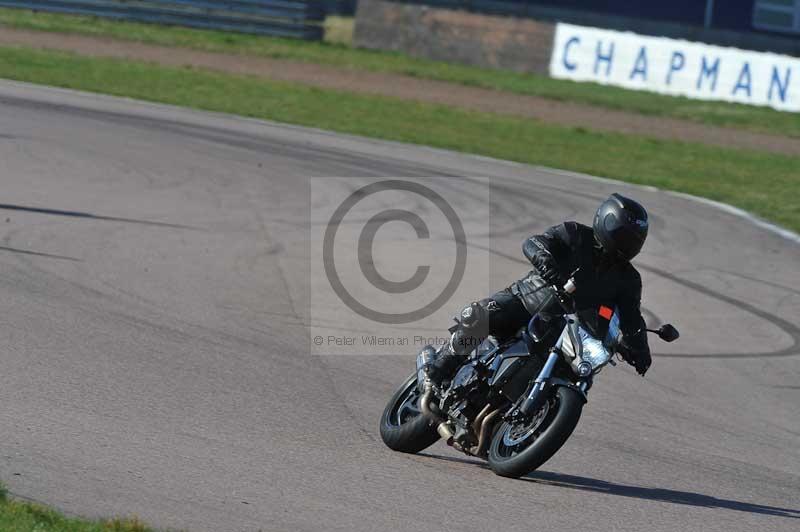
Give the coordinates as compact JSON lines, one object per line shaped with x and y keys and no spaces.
{"x":668,"y":333}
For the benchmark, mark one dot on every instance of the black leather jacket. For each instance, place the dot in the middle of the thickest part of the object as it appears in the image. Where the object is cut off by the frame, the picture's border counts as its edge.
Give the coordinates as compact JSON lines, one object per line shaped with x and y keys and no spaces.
{"x":601,"y":280}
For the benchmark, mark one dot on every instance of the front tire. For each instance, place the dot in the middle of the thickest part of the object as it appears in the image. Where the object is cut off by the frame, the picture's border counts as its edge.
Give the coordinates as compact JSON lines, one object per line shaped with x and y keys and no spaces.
{"x":403,"y":427}
{"x":519,"y":448}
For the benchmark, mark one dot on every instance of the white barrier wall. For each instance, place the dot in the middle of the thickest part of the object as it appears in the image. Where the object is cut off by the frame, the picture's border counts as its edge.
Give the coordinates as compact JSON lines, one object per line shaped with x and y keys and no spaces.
{"x":676,"y":67}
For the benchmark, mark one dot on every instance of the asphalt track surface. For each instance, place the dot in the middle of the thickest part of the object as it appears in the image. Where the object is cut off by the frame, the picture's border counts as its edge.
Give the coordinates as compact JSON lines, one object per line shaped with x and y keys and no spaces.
{"x":155,"y":286}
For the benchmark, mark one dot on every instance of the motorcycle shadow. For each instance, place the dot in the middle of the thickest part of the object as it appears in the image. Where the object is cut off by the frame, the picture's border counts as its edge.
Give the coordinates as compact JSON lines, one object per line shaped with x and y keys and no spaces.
{"x":687,"y":498}
{"x":655,"y":494}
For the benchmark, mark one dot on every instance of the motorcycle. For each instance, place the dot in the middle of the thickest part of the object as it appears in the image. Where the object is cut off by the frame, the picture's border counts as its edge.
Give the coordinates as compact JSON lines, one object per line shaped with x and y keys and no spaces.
{"x":513,"y":403}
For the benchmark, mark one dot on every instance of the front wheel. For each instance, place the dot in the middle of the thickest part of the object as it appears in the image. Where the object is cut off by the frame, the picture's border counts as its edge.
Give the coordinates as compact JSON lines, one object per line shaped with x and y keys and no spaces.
{"x":520,"y":447}
{"x":403,"y":427}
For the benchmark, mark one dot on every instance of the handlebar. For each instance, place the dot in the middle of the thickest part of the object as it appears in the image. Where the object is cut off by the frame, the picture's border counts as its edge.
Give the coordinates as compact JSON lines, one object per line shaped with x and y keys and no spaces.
{"x":564,"y":295}
{"x":666,"y":332}
{"x":570,"y":287}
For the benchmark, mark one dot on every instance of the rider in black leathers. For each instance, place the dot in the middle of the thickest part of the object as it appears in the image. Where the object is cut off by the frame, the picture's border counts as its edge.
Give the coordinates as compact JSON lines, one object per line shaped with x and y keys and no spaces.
{"x":597,"y":257}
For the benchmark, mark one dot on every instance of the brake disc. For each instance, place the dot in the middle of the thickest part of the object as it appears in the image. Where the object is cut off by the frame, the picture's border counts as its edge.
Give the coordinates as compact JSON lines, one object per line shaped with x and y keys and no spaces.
{"x":517,"y":434}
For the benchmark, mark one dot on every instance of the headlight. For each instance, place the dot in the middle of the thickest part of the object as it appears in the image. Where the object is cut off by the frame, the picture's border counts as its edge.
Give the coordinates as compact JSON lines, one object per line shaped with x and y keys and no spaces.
{"x":594,"y":351}
{"x":584,"y":369}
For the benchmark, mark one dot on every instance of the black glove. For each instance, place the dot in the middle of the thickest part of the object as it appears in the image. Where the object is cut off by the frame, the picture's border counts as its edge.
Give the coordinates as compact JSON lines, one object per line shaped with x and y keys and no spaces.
{"x":642,"y":364}
{"x":547,"y":270}
{"x":634,"y":349}
{"x":641,"y":361}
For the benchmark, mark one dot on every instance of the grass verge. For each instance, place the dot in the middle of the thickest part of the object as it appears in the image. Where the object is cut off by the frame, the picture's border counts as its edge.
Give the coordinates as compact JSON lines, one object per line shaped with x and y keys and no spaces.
{"x":758,"y":182}
{"x":341,"y":55}
{"x":20,"y":516}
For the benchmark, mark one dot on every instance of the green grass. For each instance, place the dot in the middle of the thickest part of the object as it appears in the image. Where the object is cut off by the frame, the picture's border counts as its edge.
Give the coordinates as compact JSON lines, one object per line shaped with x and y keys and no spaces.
{"x":21,"y":516}
{"x":758,"y":182}
{"x":337,"y":54}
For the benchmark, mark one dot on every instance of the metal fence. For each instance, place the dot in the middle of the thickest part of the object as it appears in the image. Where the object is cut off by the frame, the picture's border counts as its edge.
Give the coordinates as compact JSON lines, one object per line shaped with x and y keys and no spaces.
{"x":345,"y":8}
{"x":281,"y":18}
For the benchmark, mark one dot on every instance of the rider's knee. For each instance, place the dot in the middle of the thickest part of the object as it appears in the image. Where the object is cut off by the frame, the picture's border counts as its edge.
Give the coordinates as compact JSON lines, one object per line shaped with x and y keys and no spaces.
{"x":473,"y":316}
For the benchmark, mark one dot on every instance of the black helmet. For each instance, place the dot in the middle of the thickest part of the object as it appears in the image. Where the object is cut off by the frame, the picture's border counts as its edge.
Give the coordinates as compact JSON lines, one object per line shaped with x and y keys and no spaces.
{"x":620,"y":226}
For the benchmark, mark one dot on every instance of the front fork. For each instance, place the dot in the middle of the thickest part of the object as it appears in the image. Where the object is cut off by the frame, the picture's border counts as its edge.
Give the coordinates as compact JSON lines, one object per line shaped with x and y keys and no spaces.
{"x":536,"y":397}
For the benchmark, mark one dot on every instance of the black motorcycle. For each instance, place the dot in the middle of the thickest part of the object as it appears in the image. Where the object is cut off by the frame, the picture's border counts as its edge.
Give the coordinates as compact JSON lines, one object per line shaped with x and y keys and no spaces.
{"x":514,"y":403}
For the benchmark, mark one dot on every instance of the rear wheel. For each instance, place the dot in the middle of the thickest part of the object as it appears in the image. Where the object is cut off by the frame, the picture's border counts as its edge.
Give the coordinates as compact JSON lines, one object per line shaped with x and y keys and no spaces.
{"x":403,"y":427}
{"x":520,"y":447}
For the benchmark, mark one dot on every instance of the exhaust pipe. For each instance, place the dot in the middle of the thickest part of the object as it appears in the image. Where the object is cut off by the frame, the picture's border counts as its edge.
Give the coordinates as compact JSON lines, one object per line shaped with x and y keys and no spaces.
{"x":442,"y":427}
{"x":425,"y":404}
{"x":486,"y":427}
{"x":445,"y":432}
{"x":476,"y":425}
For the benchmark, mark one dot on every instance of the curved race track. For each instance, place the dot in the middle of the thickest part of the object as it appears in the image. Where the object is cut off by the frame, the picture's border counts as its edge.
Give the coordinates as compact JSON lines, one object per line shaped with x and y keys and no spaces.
{"x":154,"y":283}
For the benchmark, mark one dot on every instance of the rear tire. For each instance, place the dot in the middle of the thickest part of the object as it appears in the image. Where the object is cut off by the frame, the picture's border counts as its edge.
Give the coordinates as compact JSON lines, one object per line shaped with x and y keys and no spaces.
{"x":403,"y":427}
{"x":518,"y":449}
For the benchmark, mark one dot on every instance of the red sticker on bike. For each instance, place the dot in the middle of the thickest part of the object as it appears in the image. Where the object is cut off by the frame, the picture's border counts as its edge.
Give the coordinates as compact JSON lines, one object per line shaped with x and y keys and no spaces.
{"x":606,"y":312}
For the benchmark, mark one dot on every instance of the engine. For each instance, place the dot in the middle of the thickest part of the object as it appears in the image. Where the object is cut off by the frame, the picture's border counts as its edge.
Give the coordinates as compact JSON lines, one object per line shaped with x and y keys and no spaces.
{"x":465,"y":398}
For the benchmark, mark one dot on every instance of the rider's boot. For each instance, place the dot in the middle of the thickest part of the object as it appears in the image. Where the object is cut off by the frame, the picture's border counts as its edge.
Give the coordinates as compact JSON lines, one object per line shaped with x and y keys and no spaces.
{"x":440,"y":366}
